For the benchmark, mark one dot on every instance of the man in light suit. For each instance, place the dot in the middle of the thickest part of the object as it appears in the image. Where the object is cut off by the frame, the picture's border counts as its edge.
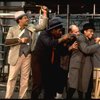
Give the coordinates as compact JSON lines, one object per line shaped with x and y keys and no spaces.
{"x":21,"y":40}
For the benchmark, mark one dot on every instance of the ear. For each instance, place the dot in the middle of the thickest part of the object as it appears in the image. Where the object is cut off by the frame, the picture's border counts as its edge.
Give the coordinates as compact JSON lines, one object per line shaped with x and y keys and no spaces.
{"x":84,"y":31}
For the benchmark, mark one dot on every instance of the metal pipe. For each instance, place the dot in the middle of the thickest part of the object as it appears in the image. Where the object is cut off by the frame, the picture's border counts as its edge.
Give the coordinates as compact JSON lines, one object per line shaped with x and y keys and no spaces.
{"x":58,"y":9}
{"x":67,"y":17}
{"x":94,"y":9}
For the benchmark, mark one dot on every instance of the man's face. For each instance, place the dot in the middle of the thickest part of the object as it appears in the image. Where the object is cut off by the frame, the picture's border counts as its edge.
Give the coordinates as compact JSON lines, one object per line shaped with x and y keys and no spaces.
{"x":57,"y":33}
{"x":24,"y":21}
{"x":89,"y":33}
{"x":75,"y":31}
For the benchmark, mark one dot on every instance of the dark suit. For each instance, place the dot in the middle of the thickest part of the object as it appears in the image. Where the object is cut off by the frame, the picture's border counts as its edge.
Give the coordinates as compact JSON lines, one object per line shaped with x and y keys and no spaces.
{"x":42,"y":68}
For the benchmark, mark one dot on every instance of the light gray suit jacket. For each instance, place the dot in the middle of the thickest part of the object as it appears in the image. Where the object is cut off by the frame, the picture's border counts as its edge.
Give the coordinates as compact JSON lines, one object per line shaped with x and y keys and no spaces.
{"x":15,"y":31}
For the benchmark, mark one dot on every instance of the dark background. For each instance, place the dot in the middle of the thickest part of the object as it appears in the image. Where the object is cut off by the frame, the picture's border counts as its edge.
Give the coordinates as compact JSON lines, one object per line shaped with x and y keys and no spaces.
{"x":76,"y":6}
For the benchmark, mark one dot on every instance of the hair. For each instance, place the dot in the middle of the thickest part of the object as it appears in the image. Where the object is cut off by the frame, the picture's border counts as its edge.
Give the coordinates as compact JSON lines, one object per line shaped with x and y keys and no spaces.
{"x":17,"y":20}
{"x":71,"y":27}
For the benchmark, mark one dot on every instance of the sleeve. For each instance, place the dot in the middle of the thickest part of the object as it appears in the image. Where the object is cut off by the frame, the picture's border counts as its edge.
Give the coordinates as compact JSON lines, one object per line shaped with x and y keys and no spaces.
{"x":43,"y":21}
{"x":9,"y":38}
{"x":47,"y":41}
{"x":9,"y":34}
{"x":85,"y":48}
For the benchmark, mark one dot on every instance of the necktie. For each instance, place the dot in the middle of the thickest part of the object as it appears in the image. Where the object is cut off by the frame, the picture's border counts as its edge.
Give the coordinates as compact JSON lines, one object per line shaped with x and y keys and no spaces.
{"x":52,"y":57}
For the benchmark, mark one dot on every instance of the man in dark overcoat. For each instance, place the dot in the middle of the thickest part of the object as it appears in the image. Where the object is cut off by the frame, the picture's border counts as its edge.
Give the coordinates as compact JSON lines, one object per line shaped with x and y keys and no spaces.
{"x":43,"y":57}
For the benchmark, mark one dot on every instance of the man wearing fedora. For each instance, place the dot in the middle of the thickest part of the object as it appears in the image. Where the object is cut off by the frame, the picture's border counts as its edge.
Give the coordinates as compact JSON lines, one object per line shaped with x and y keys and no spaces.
{"x":81,"y":65}
{"x":44,"y":58}
{"x":21,"y":40}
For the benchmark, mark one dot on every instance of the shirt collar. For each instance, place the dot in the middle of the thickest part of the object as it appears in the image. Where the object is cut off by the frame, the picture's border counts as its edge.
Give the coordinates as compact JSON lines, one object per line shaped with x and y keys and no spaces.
{"x":20,"y":27}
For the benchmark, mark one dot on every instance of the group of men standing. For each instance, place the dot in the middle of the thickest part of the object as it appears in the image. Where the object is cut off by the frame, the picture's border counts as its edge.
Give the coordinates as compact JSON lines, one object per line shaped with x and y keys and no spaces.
{"x":44,"y":58}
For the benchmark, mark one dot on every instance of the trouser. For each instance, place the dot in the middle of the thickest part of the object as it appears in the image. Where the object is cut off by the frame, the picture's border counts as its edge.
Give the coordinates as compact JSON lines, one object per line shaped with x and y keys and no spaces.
{"x":70,"y":93}
{"x":61,"y":80}
{"x":22,"y":66}
{"x":36,"y":77}
{"x":43,"y":77}
{"x":49,"y":81}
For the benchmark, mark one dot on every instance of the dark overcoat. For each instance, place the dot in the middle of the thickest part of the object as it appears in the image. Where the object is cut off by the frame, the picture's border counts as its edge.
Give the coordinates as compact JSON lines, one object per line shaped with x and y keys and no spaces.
{"x":43,"y":71}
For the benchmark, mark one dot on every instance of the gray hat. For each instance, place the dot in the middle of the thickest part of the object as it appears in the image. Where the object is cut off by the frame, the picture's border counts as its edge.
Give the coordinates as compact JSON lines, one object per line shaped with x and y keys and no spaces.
{"x":19,"y":14}
{"x":54,"y":23}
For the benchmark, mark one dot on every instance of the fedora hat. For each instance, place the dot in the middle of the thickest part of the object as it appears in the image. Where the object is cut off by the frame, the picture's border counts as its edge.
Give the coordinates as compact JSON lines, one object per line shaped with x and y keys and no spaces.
{"x":19,"y":14}
{"x":87,"y":26}
{"x":54,"y":23}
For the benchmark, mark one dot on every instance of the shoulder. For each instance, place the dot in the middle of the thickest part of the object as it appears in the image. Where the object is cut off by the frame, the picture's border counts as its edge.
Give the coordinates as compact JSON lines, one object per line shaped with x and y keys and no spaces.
{"x":13,"y":27}
{"x":31,"y":27}
{"x":81,"y":38}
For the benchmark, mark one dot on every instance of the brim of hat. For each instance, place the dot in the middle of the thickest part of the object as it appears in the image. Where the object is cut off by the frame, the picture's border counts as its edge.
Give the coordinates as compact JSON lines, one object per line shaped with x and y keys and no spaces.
{"x":21,"y":16}
{"x":82,"y":31}
{"x":54,"y":26}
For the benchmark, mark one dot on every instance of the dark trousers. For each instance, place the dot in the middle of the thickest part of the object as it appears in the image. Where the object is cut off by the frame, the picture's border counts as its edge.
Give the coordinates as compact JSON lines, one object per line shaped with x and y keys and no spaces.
{"x":70,"y":93}
{"x":36,"y":78}
{"x":60,"y":80}
{"x":43,"y":77}
{"x":48,"y":77}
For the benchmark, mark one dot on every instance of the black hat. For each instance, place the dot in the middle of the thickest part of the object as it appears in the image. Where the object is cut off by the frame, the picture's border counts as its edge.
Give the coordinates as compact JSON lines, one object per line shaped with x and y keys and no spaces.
{"x":88,"y":26}
{"x":54,"y":23}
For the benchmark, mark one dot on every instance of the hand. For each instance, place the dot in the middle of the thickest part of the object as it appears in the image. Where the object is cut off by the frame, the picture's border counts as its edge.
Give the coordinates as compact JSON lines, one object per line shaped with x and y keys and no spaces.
{"x":66,"y":36}
{"x":44,"y":9}
{"x":74,"y":46}
{"x":97,"y":40}
{"x":63,"y":38}
{"x":24,"y":40}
